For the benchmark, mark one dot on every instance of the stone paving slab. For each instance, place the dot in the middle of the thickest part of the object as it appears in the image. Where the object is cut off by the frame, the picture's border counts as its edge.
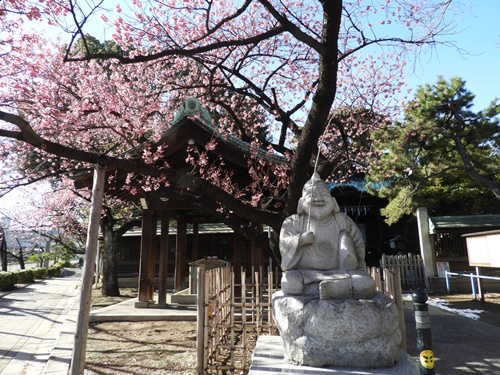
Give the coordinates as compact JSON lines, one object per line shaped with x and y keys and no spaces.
{"x":268,"y":359}
{"x":127,"y":311}
{"x":31,"y":319}
{"x":38,"y":324}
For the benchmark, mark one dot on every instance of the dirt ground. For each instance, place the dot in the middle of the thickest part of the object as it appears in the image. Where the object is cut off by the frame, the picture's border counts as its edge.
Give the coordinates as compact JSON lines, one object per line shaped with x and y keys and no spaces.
{"x":139,"y":347}
{"x":170,"y":347}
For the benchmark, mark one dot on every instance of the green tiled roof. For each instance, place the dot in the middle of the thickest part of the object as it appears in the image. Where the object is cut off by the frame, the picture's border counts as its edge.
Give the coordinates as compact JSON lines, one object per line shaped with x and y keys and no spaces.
{"x":359,"y":184}
{"x":192,"y":110}
{"x":458,"y":222}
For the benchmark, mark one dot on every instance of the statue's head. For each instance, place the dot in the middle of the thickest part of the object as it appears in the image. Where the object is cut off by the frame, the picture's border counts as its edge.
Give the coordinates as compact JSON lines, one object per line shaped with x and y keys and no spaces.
{"x":316,"y":197}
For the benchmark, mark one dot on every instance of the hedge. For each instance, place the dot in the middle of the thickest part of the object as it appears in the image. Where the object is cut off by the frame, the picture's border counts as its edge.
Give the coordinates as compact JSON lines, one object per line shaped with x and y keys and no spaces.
{"x":25,"y":276}
{"x":40,"y":272}
{"x":8,"y":280}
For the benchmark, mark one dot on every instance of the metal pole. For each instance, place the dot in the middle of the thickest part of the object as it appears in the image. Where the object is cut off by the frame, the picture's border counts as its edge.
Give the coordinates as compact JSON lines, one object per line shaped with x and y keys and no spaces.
{"x":473,"y":285}
{"x":424,"y":339}
{"x":447,"y":277}
{"x":480,"y":283}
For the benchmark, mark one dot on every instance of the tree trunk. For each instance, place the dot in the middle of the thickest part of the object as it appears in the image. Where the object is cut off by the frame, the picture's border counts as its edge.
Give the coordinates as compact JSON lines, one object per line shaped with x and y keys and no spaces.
{"x":109,"y":260}
{"x":3,"y":249}
{"x":21,"y":259}
{"x":3,"y":255}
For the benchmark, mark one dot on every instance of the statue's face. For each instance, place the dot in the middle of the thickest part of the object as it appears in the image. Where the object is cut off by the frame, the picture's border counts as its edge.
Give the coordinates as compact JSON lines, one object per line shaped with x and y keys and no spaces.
{"x":319,"y":200}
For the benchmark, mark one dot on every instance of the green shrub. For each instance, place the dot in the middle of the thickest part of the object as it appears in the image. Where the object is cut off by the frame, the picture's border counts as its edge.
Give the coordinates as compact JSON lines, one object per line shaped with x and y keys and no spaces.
{"x":8,"y":280}
{"x":40,"y":272}
{"x":53,"y":270}
{"x":25,"y":276}
{"x":64,"y":264}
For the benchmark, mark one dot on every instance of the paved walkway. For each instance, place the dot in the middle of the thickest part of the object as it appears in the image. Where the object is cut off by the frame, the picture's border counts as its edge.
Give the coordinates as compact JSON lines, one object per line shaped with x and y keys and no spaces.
{"x":32,"y":321}
{"x":461,"y":345}
{"x":38,"y":322}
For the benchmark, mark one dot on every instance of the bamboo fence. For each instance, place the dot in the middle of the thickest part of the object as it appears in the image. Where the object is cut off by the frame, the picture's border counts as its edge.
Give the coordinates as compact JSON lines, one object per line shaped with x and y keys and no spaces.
{"x":234,"y":316}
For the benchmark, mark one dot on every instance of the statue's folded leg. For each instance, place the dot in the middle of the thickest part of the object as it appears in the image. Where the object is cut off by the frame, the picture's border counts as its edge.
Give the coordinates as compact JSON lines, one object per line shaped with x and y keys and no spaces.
{"x":363,"y":285}
{"x":339,"y":286}
{"x":353,"y":284}
{"x":292,"y":282}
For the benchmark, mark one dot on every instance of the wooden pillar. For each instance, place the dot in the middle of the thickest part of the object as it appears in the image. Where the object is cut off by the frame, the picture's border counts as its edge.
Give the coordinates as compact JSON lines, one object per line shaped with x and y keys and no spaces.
{"x":256,"y":255}
{"x":152,"y":258}
{"x":248,"y":256}
{"x":237,"y":252}
{"x":83,"y":317}
{"x":180,"y":255}
{"x":147,"y":256}
{"x":237,"y":263}
{"x":195,"y":246}
{"x":164,"y":249}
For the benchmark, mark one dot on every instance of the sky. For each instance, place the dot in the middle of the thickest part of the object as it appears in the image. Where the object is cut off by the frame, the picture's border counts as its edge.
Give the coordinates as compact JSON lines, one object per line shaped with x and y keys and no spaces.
{"x":478,"y":36}
{"x":476,"y":59}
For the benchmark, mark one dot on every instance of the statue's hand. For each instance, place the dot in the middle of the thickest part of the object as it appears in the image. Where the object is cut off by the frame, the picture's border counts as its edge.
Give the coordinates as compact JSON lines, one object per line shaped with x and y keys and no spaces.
{"x":306,"y":238}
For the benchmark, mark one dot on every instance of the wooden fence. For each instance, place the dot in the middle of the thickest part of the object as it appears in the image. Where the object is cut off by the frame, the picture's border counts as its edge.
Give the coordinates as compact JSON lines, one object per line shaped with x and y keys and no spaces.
{"x":232,"y":315}
{"x":392,"y":288}
{"x":411,"y":267}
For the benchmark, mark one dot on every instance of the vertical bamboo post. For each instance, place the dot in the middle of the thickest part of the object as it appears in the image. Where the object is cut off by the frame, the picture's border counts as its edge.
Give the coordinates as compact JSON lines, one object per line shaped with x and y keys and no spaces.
{"x":231,"y":312}
{"x":82,"y":321}
{"x":398,"y":298}
{"x":206,"y":318}
{"x":270,"y":300}
{"x":244,"y":311}
{"x":257,"y":304}
{"x":200,"y":341}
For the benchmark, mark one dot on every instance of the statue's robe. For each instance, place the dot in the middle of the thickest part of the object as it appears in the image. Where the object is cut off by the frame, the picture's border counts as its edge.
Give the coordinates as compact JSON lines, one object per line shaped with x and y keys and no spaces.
{"x":338,"y":245}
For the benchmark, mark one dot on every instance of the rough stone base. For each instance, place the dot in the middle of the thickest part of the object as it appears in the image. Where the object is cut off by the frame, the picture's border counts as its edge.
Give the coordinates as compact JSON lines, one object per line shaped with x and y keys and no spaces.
{"x":342,"y":333}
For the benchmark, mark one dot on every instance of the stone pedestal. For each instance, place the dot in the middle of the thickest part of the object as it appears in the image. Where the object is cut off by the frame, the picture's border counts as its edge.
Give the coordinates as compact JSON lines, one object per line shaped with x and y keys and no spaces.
{"x":341,"y":333}
{"x":267,"y":359}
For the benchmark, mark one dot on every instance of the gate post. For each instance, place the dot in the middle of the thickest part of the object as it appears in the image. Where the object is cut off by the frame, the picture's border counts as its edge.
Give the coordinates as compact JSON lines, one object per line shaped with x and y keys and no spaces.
{"x":425,"y":245}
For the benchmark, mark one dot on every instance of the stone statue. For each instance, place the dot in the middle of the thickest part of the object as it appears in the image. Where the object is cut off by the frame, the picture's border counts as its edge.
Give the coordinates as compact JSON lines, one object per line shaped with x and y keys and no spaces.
{"x":328,"y":312}
{"x":322,"y":249}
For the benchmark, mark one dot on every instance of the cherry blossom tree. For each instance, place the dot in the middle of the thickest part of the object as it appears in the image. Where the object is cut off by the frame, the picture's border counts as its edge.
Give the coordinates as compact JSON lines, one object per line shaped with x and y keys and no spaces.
{"x":318,"y":76}
{"x":39,"y":217}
